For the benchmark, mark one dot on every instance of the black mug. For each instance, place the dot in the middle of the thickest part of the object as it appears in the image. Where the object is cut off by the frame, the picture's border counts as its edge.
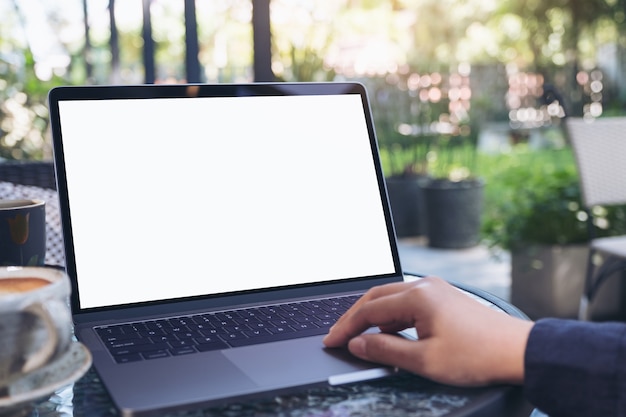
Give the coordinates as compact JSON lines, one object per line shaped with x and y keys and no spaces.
{"x":22,"y":232}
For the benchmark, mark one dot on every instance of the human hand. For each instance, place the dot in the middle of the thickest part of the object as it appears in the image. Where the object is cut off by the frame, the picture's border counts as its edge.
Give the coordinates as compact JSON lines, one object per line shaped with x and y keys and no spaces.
{"x":461,"y":341}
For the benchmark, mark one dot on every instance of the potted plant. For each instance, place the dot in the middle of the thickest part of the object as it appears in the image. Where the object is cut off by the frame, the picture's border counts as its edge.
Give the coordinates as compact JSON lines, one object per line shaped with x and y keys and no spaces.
{"x":453,"y":193}
{"x":541,"y":221}
{"x":405,"y":171}
{"x":427,"y":132}
{"x":403,"y":152}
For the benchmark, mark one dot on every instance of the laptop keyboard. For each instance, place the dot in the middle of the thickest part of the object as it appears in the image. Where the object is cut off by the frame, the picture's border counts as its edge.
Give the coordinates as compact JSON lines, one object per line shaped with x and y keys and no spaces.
{"x":190,"y":334}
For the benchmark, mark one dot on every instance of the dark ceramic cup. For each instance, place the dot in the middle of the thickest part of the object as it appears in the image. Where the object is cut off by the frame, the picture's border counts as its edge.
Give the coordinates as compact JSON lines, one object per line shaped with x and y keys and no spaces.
{"x":22,"y":232}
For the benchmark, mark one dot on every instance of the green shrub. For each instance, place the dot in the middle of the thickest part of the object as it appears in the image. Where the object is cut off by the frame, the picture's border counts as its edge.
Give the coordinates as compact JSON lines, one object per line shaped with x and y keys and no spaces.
{"x":534,"y":197}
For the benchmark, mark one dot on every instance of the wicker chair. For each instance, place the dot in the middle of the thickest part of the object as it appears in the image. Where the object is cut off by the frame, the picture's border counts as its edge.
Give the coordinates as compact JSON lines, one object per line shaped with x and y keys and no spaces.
{"x":600,"y":146}
{"x":36,"y":173}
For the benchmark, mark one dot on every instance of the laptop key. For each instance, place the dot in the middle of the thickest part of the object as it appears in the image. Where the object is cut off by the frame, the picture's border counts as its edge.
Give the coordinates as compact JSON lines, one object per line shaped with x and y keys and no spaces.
{"x":181,"y":343}
{"x":212,"y":332}
{"x":281,"y":330}
{"x":119,"y":337}
{"x":257,"y":333}
{"x":282,"y":322}
{"x":228,"y":337}
{"x":303,"y":319}
{"x":150,"y":333}
{"x":327,"y":316}
{"x":138,"y":348}
{"x":162,"y":338}
{"x":155,"y":354}
{"x":126,"y":343}
{"x":207,"y":339}
{"x":327,"y":324}
{"x":182,"y":351}
{"x":132,"y":357}
{"x":304,"y":326}
{"x":110,"y":331}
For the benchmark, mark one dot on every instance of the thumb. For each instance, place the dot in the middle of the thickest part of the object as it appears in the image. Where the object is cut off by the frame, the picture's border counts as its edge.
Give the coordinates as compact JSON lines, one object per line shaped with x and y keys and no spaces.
{"x":387,"y":349}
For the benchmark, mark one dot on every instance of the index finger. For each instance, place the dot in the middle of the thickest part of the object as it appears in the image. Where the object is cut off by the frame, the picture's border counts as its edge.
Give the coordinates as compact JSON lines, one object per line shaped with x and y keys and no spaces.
{"x":352,"y":324}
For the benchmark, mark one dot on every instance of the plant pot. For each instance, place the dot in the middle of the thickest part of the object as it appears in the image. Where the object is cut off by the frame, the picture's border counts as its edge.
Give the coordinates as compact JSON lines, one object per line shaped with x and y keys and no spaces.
{"x":453,"y":212}
{"x":548,"y":280}
{"x":407,"y":205}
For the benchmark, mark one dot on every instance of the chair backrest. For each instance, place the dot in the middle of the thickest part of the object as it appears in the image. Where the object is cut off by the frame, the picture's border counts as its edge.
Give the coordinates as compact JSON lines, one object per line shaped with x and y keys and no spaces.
{"x":37,"y":173}
{"x":600,"y":149}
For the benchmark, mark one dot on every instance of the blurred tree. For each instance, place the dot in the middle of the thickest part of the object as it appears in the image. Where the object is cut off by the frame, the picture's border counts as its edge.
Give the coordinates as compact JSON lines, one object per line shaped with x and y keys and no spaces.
{"x":439,"y":28}
{"x":24,"y":85}
{"x":560,"y":37}
{"x":23,"y":110}
{"x":324,"y":40}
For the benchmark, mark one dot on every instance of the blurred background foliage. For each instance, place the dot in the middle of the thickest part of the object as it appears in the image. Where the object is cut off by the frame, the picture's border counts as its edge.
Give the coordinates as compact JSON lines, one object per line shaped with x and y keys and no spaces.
{"x":576,"y":47}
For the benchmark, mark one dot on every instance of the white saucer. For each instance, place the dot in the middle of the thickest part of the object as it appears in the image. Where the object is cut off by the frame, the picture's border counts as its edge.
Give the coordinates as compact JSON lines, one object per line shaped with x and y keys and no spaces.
{"x":41,"y":383}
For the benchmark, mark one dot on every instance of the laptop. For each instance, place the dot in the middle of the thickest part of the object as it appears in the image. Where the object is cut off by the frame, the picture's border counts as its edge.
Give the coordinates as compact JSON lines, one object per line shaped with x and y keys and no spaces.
{"x":205,"y":210}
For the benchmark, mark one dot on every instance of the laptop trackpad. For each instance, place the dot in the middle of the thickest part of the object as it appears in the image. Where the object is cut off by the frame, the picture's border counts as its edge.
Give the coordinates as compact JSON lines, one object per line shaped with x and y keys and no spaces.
{"x":294,"y":362}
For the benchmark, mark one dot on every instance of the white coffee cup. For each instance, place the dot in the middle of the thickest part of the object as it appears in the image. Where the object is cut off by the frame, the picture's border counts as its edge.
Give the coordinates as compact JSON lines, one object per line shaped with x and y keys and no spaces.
{"x":35,"y":319}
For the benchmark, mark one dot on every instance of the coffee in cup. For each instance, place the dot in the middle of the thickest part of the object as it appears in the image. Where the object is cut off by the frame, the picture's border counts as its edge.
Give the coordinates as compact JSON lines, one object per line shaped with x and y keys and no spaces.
{"x":18,"y":285}
{"x":35,"y":324}
{"x":22,"y":232}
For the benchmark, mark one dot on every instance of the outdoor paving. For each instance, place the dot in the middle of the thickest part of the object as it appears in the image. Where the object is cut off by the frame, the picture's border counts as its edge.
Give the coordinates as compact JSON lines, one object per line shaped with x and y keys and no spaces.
{"x":476,"y":266}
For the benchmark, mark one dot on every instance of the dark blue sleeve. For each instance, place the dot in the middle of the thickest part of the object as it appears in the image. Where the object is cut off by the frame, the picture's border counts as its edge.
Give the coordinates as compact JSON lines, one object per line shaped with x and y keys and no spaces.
{"x":575,"y":368}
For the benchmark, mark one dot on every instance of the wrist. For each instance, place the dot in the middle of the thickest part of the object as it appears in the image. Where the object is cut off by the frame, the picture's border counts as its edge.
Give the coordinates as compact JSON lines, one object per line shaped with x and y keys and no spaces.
{"x":514,"y":339}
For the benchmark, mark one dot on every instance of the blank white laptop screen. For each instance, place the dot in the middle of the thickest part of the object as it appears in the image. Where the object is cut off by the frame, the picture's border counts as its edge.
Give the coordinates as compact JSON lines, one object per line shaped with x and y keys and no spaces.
{"x":175,"y":197}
